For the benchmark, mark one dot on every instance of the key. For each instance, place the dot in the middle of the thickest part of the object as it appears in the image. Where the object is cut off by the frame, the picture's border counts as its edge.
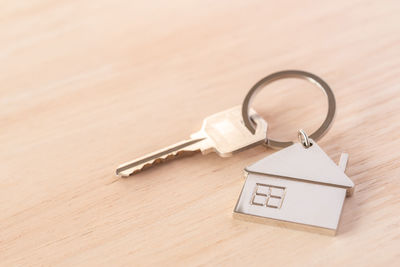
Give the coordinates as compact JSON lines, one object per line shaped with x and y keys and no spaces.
{"x":223,"y":133}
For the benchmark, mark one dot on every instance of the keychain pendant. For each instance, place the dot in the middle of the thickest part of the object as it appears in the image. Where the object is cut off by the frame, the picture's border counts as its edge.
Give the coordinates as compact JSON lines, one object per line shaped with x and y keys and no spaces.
{"x":298,"y":187}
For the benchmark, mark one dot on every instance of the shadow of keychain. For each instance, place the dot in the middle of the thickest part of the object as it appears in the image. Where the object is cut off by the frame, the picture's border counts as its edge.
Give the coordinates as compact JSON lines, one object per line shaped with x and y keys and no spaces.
{"x":298,"y":186}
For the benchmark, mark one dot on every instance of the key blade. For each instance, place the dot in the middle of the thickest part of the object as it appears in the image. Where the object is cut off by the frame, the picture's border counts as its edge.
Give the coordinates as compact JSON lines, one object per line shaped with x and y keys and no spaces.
{"x":184,"y":148}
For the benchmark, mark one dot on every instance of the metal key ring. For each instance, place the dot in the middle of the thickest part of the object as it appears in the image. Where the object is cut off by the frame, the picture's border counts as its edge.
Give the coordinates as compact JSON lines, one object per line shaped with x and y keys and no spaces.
{"x":290,"y":74}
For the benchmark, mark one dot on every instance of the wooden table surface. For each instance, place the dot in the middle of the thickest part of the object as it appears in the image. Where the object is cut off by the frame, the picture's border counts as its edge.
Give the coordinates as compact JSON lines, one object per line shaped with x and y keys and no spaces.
{"x":87,"y":85}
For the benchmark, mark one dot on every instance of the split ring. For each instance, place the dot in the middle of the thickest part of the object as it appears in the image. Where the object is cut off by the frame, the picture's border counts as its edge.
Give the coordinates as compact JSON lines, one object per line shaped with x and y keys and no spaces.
{"x":290,"y":74}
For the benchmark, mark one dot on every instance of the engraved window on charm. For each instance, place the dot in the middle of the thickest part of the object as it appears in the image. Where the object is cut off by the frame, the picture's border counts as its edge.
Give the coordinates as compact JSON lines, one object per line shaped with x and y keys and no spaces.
{"x":270,"y":196}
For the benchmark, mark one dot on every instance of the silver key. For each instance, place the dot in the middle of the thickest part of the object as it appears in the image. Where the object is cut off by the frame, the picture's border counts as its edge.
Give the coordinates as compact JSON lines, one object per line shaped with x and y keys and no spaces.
{"x":223,"y":133}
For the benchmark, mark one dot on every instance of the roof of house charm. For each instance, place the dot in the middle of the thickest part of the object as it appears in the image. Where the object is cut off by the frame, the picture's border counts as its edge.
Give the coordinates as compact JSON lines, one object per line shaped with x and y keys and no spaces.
{"x":297,"y":186}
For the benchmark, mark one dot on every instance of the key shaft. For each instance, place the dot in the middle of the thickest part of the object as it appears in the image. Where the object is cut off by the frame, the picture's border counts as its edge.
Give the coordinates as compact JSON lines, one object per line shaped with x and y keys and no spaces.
{"x":184,"y":148}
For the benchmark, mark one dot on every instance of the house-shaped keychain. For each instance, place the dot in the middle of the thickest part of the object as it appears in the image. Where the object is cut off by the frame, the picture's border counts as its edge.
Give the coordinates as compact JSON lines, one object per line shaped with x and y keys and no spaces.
{"x":297,"y":186}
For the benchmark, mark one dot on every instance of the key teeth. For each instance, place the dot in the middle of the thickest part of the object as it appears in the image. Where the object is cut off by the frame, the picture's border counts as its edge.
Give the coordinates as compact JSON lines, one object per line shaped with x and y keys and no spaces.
{"x":160,"y":160}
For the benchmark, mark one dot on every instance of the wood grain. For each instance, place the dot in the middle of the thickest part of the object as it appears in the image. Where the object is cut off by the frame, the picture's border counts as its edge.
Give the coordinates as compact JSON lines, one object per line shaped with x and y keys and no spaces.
{"x":87,"y":85}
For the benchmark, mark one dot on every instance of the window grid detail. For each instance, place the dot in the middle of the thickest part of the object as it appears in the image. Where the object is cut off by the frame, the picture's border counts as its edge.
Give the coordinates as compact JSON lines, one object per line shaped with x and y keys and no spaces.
{"x":270,"y":196}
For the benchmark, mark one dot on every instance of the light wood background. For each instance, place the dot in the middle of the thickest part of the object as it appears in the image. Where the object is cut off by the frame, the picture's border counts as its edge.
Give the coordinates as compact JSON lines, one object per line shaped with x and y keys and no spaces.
{"x":87,"y":85}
